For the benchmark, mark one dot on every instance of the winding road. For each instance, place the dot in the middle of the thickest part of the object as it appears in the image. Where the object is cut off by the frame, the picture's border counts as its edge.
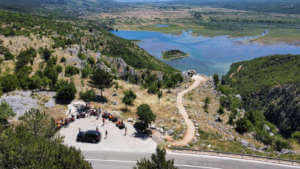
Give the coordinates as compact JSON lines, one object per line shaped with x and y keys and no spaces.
{"x":190,"y":131}
{"x":120,"y":159}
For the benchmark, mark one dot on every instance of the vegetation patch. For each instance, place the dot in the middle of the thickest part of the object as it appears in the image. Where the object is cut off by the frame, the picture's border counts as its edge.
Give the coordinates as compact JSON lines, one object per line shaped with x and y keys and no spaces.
{"x":173,"y":54}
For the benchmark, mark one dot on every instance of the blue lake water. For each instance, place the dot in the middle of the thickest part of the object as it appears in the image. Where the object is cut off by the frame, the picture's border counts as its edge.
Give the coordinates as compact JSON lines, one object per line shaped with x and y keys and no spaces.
{"x":162,"y":25}
{"x":207,"y":55}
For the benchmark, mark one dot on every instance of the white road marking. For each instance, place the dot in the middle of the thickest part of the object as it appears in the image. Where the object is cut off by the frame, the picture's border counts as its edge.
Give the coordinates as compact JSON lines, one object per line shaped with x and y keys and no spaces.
{"x":134,"y":162}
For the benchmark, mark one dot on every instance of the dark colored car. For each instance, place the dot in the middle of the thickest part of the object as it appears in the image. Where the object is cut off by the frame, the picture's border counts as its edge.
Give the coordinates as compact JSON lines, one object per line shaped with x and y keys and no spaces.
{"x":90,"y":136}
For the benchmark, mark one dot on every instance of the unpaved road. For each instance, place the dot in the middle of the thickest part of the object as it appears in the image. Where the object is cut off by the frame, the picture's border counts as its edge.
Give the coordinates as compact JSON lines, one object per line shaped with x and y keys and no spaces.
{"x":190,"y":131}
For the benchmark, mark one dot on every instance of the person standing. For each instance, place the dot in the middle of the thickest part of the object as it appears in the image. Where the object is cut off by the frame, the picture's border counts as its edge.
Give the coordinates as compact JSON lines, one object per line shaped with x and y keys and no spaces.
{"x":106,"y":133}
{"x":125,"y":130}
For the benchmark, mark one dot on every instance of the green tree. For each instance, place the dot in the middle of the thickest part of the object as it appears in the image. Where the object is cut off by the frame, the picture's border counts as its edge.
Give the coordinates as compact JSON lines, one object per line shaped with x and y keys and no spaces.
{"x":158,"y":161}
{"x":63,"y":60}
{"x":5,"y":112}
{"x":91,"y":61}
{"x":296,"y":135}
{"x":221,"y":110}
{"x":159,"y":94}
{"x":216,"y":79}
{"x":45,"y":53}
{"x":71,"y":70}
{"x":281,"y":143}
{"x":129,"y":97}
{"x":243,"y":125}
{"x":145,"y":115}
{"x":9,"y":83}
{"x":35,"y":148}
{"x":206,"y":103}
{"x":65,"y":91}
{"x":38,"y":123}
{"x":101,"y":79}
{"x":88,"y":96}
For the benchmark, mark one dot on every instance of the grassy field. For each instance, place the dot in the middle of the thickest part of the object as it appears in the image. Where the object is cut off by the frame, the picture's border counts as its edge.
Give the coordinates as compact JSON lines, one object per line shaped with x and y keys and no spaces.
{"x":208,"y":22}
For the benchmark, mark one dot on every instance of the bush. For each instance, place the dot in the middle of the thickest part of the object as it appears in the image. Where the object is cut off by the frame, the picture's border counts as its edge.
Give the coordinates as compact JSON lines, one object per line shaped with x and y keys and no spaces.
{"x":88,"y":96}
{"x":63,"y":60}
{"x":45,"y":53}
{"x":129,"y":97}
{"x":86,"y":71}
{"x":296,"y":135}
{"x":59,"y":69}
{"x":65,"y":91}
{"x":71,"y":70}
{"x":158,"y":161}
{"x":5,"y":113}
{"x":243,"y":125}
{"x":25,"y":57}
{"x":216,"y":79}
{"x":81,"y":56}
{"x":221,"y":110}
{"x":206,"y":103}
{"x":281,"y":143}
{"x":153,"y":89}
{"x":9,"y":83}
{"x":91,"y":60}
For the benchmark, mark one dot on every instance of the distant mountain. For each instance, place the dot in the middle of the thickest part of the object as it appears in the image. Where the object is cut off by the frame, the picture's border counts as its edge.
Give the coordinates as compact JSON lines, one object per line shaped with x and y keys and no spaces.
{"x":76,"y":7}
{"x":271,"y":85}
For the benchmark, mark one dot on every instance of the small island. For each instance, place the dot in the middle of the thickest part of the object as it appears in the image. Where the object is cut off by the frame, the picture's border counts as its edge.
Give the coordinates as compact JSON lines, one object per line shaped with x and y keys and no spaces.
{"x":173,"y":54}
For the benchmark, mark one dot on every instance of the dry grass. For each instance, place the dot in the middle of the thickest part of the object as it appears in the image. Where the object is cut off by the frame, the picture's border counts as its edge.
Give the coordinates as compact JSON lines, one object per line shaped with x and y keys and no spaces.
{"x":221,"y":133}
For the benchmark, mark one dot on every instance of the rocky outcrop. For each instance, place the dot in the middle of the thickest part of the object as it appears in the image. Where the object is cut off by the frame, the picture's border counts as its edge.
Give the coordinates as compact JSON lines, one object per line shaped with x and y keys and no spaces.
{"x":121,"y":67}
{"x":188,"y":74}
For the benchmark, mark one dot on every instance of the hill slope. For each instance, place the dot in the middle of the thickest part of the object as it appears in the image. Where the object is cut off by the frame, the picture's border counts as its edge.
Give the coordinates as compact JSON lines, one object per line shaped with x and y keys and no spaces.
{"x":270,"y":84}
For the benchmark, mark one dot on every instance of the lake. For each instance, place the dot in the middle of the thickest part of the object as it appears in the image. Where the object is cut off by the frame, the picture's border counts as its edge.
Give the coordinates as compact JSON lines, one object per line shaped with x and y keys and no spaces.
{"x":207,"y":55}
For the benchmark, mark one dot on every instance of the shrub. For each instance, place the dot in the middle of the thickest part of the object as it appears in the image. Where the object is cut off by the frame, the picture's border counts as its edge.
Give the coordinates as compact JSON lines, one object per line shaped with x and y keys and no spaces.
{"x":243,"y":125}
{"x":5,"y":113}
{"x":296,"y":135}
{"x":59,"y":69}
{"x":129,"y":97}
{"x":25,"y":57}
{"x":216,"y":79}
{"x":71,"y":70}
{"x":91,"y":60}
{"x":63,"y":60}
{"x":45,"y":53}
{"x":221,"y":110}
{"x":86,"y":71}
{"x":281,"y":143}
{"x":65,"y":91}
{"x":158,"y":161}
{"x":9,"y":83}
{"x":88,"y":96}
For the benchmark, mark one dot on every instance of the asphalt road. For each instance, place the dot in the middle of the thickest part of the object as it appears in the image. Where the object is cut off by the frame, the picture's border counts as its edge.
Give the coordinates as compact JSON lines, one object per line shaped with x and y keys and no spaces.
{"x":123,"y":160}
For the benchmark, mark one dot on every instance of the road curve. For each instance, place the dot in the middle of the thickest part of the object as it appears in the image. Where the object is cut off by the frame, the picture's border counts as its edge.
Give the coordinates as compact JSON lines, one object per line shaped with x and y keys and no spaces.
{"x":190,"y":130}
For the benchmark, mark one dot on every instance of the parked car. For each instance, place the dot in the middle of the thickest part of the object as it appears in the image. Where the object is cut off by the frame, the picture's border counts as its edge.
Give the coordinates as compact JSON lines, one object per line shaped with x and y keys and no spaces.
{"x":90,"y":136}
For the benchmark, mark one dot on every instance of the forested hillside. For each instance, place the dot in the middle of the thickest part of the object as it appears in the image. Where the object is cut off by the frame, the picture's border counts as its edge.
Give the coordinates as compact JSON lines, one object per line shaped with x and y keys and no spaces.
{"x":64,"y":7}
{"x":270,"y":85}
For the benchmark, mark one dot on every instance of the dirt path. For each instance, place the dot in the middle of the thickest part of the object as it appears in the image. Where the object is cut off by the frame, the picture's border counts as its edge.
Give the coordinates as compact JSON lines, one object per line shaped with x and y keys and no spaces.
{"x":190,"y":131}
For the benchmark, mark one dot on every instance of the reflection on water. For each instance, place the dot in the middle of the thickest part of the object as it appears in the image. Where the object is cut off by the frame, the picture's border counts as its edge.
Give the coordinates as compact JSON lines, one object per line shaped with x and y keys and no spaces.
{"x":207,"y":55}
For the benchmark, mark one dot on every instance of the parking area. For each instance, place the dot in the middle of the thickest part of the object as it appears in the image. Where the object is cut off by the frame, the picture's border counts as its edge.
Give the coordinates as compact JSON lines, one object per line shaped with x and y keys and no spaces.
{"x":116,"y":139}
